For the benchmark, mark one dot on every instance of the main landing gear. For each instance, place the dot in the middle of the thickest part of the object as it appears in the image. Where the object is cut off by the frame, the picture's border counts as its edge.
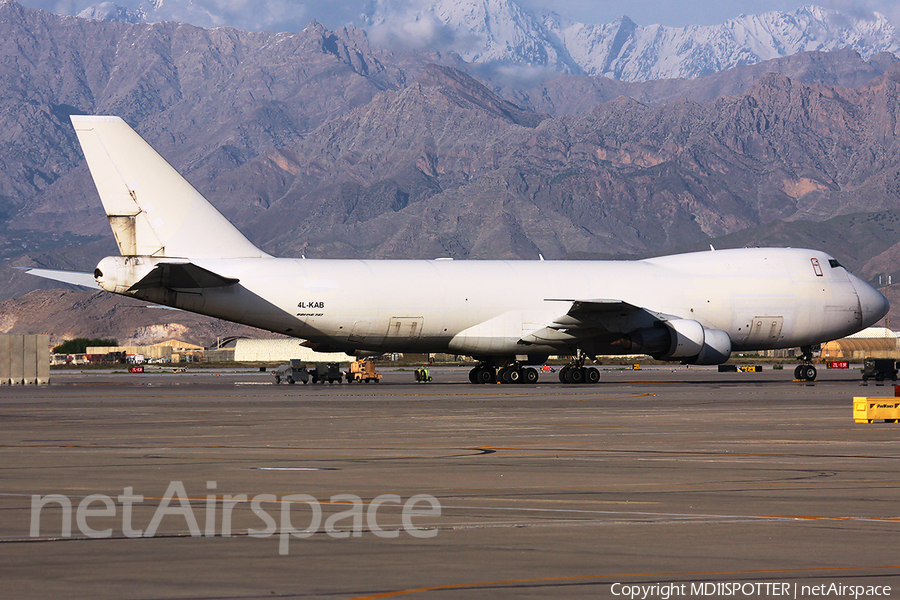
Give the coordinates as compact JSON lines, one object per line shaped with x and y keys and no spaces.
{"x":806,"y":371}
{"x":576,"y":372}
{"x":513,"y":373}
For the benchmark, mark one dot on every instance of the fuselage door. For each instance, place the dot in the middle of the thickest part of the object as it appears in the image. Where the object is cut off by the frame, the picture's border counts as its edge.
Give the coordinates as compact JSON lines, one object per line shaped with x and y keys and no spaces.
{"x":817,"y":268}
{"x":360,"y":331}
{"x":764,"y":332}
{"x":404,"y":328}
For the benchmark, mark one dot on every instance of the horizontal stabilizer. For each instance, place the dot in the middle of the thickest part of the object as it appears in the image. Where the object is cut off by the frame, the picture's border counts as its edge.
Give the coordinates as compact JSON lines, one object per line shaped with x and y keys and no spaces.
{"x":182,"y":276}
{"x":71,"y":277}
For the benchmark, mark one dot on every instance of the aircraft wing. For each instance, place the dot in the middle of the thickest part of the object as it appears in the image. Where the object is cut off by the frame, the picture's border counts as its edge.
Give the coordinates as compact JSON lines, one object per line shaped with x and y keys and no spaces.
{"x":589,"y":318}
{"x":71,"y":277}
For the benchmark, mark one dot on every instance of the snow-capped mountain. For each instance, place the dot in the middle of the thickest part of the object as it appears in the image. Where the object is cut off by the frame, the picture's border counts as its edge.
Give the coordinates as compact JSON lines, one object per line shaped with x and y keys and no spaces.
{"x":502,"y":31}
{"x":480,"y":31}
{"x":624,"y":50}
{"x":111,"y":12}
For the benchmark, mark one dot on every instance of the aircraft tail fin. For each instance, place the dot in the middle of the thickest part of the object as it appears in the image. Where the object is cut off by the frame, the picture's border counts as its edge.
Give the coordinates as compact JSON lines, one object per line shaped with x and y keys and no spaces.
{"x":152,"y":209}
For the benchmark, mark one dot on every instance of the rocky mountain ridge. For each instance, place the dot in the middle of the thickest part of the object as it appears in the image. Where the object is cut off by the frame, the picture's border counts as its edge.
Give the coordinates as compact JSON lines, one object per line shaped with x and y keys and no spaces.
{"x":623,"y":178}
{"x":507,"y":33}
{"x":630,"y":52}
{"x":69,"y":314}
{"x":319,"y":143}
{"x":484,"y":31}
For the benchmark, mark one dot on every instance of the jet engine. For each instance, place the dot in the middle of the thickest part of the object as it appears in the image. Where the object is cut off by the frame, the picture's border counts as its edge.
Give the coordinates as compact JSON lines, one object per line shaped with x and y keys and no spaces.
{"x":716,"y":348}
{"x":683,"y":339}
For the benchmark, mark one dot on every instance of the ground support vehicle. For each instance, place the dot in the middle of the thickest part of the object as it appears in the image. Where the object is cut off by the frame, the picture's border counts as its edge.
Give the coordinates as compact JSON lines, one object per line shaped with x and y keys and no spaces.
{"x":293,"y":372}
{"x":362,"y":370}
{"x":879,"y":369}
{"x":327,"y":372}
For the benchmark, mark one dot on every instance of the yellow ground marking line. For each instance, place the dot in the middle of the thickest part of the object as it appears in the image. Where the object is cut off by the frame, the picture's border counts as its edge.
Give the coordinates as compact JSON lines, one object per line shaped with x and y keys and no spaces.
{"x":456,"y":586}
{"x":682,"y":452}
{"x":580,"y":425}
{"x":820,"y":518}
{"x":536,"y":451}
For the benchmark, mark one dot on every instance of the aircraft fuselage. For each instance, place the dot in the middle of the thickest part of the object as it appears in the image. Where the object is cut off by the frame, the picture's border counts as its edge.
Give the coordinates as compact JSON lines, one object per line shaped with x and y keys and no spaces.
{"x":763,"y":298}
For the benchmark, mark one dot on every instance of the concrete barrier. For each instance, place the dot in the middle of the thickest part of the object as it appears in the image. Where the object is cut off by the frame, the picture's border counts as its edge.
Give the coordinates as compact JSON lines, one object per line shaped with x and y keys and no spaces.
{"x":24,"y":359}
{"x":5,"y":341}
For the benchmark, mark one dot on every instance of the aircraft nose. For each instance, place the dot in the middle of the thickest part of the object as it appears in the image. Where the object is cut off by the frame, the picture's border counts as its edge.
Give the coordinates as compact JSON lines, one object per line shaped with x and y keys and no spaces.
{"x":872,"y":303}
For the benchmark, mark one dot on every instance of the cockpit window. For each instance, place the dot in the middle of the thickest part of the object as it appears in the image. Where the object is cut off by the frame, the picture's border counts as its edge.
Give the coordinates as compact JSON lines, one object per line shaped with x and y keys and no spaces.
{"x":834,"y":264}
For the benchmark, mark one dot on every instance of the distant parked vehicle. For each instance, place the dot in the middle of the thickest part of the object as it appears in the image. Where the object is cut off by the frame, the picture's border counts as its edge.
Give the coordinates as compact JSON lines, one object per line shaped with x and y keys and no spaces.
{"x":879,"y":369}
{"x":292,"y":373}
{"x":330,"y":372}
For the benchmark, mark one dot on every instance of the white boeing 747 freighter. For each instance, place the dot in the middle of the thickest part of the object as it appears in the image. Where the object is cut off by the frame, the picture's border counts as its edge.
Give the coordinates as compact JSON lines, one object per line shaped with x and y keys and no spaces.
{"x":178,"y":250}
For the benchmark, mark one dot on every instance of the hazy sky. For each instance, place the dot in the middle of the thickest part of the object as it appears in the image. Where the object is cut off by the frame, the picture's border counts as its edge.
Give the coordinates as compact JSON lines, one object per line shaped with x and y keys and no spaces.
{"x":293,"y":15}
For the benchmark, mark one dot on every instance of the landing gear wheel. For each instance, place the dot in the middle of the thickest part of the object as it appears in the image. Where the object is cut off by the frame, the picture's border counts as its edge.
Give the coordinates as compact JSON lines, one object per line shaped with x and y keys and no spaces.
{"x":808,"y":373}
{"x":485,"y":375}
{"x":576,"y":375}
{"x":513,"y":375}
{"x":473,"y":375}
{"x":798,"y":372}
{"x":530,"y":375}
{"x":591,"y":375}
{"x":564,"y":375}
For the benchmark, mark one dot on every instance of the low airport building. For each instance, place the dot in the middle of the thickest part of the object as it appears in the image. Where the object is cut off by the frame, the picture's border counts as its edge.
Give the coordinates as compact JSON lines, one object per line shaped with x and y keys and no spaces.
{"x":237,"y":350}
{"x":246,"y":350}
{"x":167,"y":351}
{"x":874,"y":342}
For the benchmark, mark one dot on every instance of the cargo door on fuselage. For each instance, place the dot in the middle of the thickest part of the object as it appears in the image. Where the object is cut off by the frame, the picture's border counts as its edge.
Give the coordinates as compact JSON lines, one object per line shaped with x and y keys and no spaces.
{"x":403,"y":329}
{"x":765,"y":332}
{"x":361,"y":332}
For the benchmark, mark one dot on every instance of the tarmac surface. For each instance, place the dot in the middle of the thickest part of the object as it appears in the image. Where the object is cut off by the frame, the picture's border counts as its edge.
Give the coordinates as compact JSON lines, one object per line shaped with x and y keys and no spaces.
{"x":686,"y":478}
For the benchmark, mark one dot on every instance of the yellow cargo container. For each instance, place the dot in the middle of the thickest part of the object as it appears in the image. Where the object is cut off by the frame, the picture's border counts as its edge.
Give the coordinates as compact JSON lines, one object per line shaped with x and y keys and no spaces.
{"x":866,"y":410}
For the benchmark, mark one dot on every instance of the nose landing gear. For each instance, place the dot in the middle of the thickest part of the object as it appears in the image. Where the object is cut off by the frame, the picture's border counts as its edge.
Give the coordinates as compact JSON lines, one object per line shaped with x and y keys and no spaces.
{"x":806,"y":371}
